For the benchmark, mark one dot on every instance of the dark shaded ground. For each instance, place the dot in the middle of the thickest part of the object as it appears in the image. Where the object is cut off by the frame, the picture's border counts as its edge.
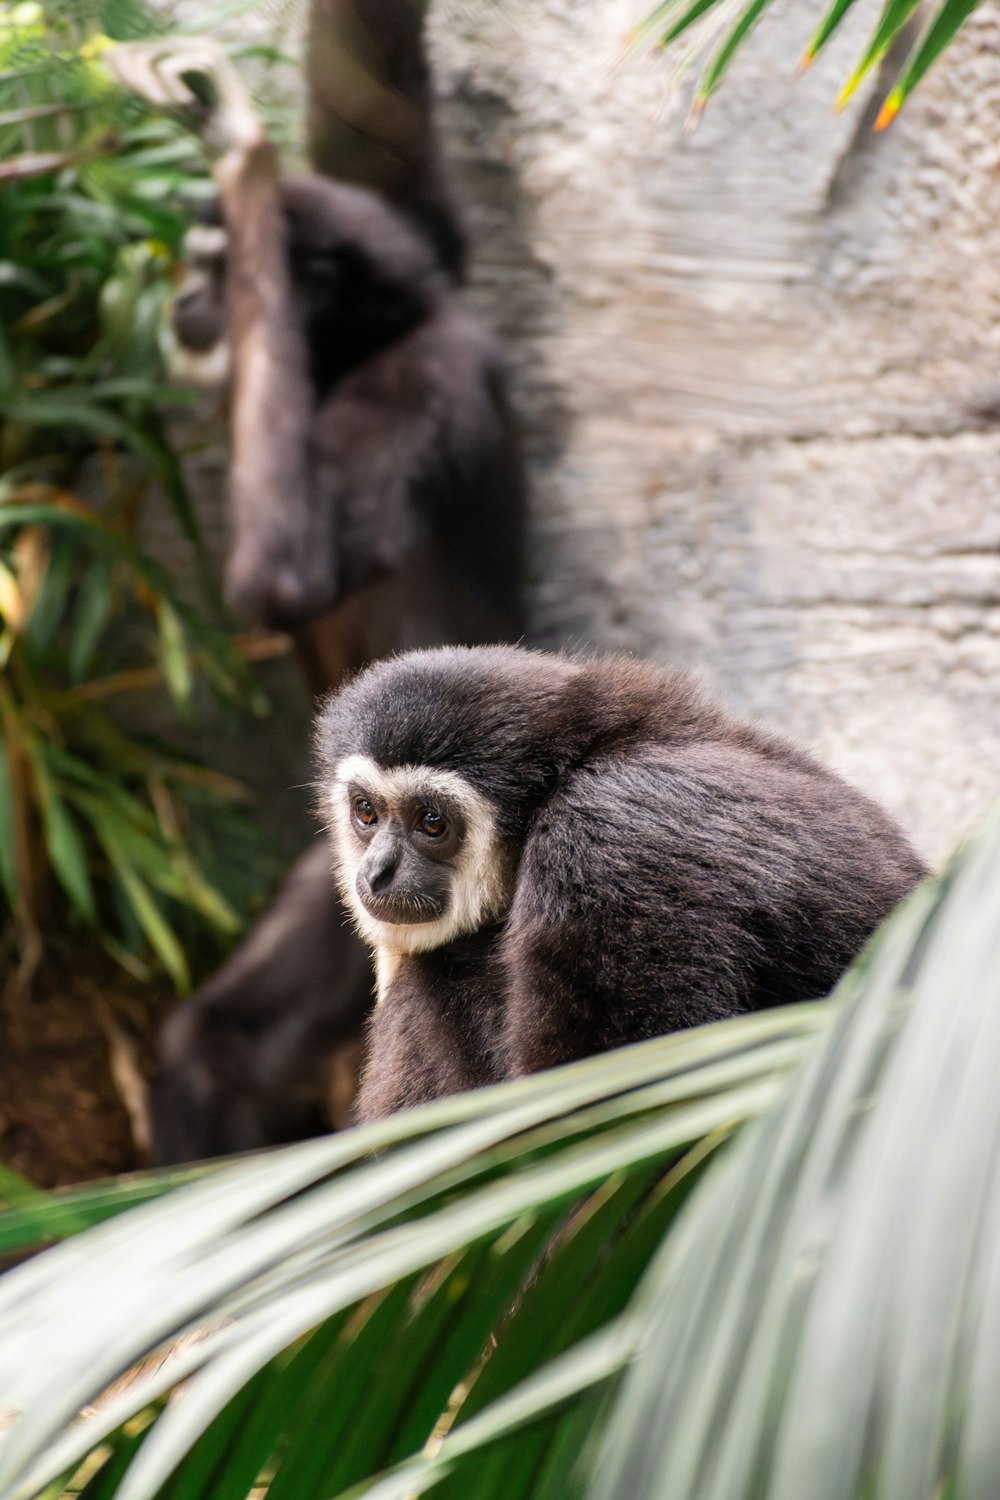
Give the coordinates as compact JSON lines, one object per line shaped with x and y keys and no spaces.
{"x":73,"y":1062}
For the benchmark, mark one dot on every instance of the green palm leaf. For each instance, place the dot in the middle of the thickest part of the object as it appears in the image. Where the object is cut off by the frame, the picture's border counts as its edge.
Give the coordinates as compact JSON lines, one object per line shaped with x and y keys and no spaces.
{"x":664,"y":22}
{"x":827,"y":1323}
{"x":440,"y":1230}
{"x":729,"y":46}
{"x":942,"y":29}
{"x":560,"y":1287}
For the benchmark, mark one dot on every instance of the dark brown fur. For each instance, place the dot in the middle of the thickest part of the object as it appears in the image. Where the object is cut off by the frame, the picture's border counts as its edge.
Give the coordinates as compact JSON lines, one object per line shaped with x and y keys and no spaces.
{"x":378,"y":441}
{"x":252,"y":1059}
{"x":674,"y":865}
{"x":376,"y":503}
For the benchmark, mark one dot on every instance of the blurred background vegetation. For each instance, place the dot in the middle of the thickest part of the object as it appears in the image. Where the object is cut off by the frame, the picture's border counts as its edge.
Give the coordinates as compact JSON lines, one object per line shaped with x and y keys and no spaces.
{"x":118,"y":848}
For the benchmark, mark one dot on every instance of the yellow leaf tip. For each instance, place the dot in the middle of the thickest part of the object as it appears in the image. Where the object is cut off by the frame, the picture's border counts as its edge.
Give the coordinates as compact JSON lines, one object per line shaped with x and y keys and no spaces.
{"x":843,"y":98}
{"x":890,"y":109}
{"x":696,"y":111}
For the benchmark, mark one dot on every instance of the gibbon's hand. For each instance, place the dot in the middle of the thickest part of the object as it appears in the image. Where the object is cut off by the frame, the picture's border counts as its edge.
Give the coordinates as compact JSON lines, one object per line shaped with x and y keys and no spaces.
{"x":192,"y":76}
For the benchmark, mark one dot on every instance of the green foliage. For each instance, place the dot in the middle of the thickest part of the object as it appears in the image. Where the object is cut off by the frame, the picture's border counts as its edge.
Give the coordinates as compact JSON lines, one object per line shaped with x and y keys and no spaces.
{"x":728,"y":30}
{"x":98,"y":821}
{"x":831,"y":1311}
{"x":337,"y":1299}
{"x":562,"y":1286}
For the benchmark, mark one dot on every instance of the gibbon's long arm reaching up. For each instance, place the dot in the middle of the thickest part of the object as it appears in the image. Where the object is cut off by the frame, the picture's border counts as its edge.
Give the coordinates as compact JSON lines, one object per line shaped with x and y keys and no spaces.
{"x":371,"y":433}
{"x":271,"y":489}
{"x":376,"y":496}
{"x":272,"y":407}
{"x":370,"y":117}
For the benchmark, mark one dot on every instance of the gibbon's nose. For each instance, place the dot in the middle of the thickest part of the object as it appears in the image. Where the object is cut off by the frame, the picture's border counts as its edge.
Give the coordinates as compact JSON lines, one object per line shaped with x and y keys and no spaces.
{"x":379,"y":869}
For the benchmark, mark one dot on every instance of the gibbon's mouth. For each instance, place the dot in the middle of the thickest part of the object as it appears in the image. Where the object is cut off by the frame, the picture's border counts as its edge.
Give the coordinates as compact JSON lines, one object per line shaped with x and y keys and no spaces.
{"x":403,"y":911}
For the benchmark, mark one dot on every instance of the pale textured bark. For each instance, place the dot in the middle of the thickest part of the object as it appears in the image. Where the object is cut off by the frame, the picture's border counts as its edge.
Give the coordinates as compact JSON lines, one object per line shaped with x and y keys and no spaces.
{"x":760,"y":368}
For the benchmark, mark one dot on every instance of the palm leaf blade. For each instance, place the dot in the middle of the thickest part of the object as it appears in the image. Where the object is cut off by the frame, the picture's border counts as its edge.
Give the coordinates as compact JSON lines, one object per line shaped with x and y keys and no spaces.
{"x":730,"y":45}
{"x":832,"y":18}
{"x":819,"y":1299}
{"x":694,"y":12}
{"x":278,"y":1273}
{"x":895,"y":15}
{"x":801,"y":1325}
{"x":945,"y":25}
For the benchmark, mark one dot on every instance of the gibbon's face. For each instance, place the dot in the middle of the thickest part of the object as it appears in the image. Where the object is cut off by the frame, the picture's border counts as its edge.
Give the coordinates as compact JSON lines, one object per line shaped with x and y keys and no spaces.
{"x":417,"y":856}
{"x":197,"y":346}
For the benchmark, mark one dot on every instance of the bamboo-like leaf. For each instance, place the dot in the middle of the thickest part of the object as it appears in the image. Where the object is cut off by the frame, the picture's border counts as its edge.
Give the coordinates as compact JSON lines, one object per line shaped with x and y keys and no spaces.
{"x":175,"y":662}
{"x":90,"y":615}
{"x":49,"y":601}
{"x":196,"y":892}
{"x":73,"y":769}
{"x":943,"y":28}
{"x":131,"y":836}
{"x":152,"y":573}
{"x":162,"y":939}
{"x":63,"y":842}
{"x":110,"y":813}
{"x":56,"y":409}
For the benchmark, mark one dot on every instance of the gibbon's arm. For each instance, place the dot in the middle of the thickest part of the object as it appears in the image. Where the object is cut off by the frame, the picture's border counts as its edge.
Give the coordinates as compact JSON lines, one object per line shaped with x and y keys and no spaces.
{"x":435,"y":1027}
{"x":281,"y":559}
{"x":266,"y":1050}
{"x":412,"y":1056}
{"x":370,"y":115}
{"x":282,"y":556}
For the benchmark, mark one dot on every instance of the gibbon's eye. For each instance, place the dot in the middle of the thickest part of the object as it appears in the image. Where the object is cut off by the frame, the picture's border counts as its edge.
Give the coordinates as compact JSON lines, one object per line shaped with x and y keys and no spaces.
{"x":432,"y":824}
{"x":364,"y":813}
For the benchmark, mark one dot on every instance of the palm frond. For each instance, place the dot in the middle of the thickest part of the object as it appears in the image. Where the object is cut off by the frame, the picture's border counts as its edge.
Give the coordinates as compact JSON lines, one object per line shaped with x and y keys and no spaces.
{"x":828,"y":1320}
{"x":327,"y":1300}
{"x":824,"y":1319}
{"x":559,"y":1287}
{"x":669,"y":20}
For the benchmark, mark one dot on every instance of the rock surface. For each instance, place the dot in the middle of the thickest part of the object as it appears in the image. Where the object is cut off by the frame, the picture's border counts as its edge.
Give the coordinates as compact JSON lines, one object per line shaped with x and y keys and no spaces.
{"x":758,"y":367}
